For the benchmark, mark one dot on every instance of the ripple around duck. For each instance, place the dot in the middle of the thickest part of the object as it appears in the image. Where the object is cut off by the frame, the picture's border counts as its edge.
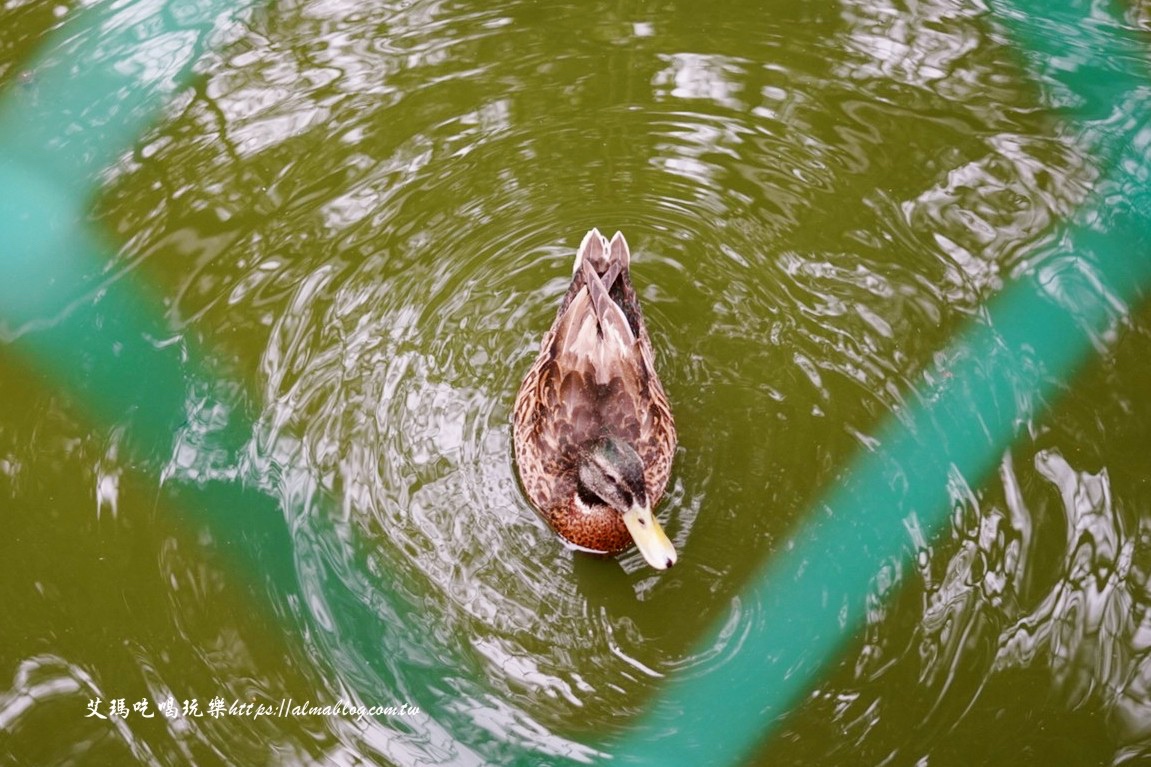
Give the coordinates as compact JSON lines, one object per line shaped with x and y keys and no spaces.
{"x":393,"y":376}
{"x":387,"y":208}
{"x":406,"y":292}
{"x":396,"y":425}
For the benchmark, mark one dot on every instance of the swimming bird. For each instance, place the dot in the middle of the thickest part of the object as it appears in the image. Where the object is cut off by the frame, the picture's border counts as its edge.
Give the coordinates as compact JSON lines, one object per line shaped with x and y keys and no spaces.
{"x":593,"y":431}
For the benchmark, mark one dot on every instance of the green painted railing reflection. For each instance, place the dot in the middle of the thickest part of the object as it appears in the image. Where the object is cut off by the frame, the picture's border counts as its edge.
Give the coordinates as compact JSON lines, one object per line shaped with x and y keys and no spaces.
{"x":104,"y":79}
{"x":99,"y":82}
{"x":1032,"y":340}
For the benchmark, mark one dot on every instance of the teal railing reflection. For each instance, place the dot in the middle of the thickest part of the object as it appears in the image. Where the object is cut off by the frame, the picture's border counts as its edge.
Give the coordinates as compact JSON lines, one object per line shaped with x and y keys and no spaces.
{"x":98,"y":83}
{"x":103,"y":79}
{"x":812,"y":594}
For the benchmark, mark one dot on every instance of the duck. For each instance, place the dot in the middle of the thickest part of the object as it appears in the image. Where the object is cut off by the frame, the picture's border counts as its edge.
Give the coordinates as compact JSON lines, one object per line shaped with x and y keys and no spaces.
{"x":593,"y":432}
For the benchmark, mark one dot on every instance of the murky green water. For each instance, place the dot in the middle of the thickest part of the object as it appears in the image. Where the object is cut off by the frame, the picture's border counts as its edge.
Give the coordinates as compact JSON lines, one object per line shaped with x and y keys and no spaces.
{"x":364,"y":214}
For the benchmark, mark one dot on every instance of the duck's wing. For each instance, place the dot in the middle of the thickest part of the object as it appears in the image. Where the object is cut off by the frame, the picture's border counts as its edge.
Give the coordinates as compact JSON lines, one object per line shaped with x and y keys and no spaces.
{"x":587,"y":361}
{"x":595,"y":374}
{"x":657,"y":435}
{"x":604,"y":375}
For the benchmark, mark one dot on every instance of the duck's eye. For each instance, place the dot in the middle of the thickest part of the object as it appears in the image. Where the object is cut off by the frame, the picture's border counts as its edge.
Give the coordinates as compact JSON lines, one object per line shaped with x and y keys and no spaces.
{"x":588,"y":497}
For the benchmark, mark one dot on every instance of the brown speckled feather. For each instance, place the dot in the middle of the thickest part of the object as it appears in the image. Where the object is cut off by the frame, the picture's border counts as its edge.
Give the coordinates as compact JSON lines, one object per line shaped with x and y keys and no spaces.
{"x":594,"y":378}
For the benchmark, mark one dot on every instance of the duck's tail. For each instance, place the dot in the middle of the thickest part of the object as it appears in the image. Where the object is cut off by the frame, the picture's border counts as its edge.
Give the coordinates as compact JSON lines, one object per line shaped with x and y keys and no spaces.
{"x":600,"y":263}
{"x":592,"y":332}
{"x":608,"y":259}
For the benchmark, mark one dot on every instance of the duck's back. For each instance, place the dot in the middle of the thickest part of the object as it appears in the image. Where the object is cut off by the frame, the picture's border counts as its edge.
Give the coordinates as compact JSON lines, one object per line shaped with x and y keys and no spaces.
{"x":594,"y":378}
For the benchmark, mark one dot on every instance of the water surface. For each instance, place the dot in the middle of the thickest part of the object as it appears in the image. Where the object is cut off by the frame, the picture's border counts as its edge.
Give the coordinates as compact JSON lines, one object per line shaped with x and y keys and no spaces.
{"x":365,"y":217}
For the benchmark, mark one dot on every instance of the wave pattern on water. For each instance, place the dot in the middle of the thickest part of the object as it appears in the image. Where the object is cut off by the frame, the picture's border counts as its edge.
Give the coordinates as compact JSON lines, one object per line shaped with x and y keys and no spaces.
{"x":368,"y":214}
{"x":407,"y":297}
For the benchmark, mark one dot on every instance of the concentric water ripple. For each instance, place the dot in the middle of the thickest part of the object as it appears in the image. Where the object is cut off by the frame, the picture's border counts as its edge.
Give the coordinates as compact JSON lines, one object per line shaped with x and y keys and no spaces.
{"x":406,"y":292}
{"x":368,"y":215}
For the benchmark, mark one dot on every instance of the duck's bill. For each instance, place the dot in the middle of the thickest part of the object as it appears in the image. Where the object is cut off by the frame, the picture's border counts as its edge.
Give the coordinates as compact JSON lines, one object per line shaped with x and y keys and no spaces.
{"x":649,"y":537}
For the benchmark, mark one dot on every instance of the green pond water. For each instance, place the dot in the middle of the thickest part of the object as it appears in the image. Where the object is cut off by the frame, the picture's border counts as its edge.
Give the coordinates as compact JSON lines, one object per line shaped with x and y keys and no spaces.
{"x":354,"y":226}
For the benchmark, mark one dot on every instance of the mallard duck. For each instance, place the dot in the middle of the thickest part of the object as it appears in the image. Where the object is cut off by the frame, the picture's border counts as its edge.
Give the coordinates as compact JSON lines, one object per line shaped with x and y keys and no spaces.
{"x":594,"y":435}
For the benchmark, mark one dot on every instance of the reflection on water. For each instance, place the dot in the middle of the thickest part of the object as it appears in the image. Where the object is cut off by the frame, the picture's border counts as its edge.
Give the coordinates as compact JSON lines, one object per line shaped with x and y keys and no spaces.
{"x":1090,"y":626}
{"x":367,"y":215}
{"x":1004,"y":618}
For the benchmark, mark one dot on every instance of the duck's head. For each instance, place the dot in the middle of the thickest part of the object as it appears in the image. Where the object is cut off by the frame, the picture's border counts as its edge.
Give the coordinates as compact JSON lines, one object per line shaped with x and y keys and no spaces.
{"x":611,"y":474}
